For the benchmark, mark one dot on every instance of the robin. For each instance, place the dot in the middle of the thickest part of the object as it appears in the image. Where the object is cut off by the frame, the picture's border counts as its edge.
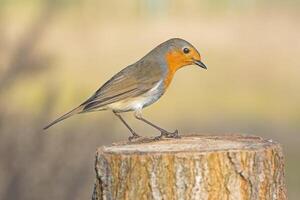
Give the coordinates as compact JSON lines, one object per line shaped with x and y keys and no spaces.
{"x":141,"y":84}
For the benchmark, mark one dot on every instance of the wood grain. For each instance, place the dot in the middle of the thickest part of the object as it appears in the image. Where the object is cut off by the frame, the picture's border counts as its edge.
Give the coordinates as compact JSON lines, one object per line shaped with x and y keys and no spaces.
{"x":194,"y":167}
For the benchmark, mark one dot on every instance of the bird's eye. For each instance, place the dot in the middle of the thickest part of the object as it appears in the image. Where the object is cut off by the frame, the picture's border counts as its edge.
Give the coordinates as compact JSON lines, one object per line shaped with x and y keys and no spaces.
{"x":186,"y":50}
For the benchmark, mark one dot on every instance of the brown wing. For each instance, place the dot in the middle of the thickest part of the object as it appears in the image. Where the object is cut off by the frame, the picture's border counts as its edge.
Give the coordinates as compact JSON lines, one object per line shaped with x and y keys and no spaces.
{"x":132,"y":81}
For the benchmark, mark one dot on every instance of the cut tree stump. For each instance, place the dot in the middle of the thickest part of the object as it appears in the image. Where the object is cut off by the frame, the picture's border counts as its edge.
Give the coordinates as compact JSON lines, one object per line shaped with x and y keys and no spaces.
{"x":194,"y":167}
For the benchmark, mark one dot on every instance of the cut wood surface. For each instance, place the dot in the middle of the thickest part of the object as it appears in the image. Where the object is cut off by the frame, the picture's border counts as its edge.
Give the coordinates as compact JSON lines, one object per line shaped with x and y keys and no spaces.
{"x":195,"y":167}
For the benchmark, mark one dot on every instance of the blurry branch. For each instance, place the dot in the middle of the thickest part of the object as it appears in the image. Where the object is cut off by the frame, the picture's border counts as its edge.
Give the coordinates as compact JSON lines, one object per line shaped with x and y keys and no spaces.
{"x":23,"y":60}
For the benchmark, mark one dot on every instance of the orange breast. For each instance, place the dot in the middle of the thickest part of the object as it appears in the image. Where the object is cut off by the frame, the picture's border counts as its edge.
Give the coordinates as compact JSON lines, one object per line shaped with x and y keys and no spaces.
{"x":175,"y":60}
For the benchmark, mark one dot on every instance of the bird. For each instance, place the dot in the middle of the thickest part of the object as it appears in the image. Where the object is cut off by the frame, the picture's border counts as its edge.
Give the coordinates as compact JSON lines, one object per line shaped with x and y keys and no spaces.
{"x":141,"y":84}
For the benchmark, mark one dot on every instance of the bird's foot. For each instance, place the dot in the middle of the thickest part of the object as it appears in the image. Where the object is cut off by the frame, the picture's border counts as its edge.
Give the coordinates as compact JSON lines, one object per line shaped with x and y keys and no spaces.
{"x":166,"y":134}
{"x":133,"y":137}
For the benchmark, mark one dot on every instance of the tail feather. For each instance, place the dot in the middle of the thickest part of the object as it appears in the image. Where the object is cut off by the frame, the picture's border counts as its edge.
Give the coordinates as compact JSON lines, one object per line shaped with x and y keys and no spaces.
{"x":65,"y":116}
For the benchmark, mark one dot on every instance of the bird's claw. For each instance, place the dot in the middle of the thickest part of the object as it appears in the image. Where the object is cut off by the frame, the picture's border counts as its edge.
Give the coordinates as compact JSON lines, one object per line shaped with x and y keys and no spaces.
{"x":133,"y":137}
{"x":166,"y":134}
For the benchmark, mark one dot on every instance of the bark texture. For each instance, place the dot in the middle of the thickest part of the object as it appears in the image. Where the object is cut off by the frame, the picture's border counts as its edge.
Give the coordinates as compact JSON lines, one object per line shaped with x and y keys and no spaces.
{"x":191,"y":168}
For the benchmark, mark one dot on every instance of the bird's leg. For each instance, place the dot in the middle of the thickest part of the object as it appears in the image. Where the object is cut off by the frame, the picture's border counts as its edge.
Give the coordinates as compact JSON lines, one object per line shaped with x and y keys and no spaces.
{"x":163,"y":132}
{"x":134,"y":134}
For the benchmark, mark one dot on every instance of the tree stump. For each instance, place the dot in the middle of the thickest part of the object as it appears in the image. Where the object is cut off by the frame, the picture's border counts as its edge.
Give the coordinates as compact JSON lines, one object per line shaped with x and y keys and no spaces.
{"x":194,"y":167}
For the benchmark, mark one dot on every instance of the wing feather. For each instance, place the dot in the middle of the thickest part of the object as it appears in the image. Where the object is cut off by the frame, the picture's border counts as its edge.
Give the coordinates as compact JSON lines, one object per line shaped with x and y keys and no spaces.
{"x":131,"y":82}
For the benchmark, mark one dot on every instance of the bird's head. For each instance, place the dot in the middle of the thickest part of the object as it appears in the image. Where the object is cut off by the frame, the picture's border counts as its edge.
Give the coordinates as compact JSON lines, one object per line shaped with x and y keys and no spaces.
{"x":179,"y":53}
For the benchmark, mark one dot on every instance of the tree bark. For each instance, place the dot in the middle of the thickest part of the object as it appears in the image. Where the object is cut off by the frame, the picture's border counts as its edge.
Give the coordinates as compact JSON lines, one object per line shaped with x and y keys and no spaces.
{"x":194,"y":167}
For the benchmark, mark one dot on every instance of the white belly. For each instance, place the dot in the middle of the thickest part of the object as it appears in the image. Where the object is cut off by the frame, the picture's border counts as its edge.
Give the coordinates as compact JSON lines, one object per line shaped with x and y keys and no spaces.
{"x":137,"y":103}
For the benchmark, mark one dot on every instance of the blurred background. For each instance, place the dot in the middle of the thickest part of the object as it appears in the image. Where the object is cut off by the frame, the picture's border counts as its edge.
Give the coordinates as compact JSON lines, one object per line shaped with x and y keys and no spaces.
{"x":56,"y":53}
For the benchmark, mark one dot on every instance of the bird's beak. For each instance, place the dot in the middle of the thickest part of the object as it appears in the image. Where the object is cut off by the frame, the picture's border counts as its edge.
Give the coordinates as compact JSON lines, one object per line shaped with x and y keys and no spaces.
{"x":200,"y":64}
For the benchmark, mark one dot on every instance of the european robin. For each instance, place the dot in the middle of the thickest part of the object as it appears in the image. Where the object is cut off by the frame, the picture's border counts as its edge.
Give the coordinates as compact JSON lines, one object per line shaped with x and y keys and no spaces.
{"x":141,"y":84}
